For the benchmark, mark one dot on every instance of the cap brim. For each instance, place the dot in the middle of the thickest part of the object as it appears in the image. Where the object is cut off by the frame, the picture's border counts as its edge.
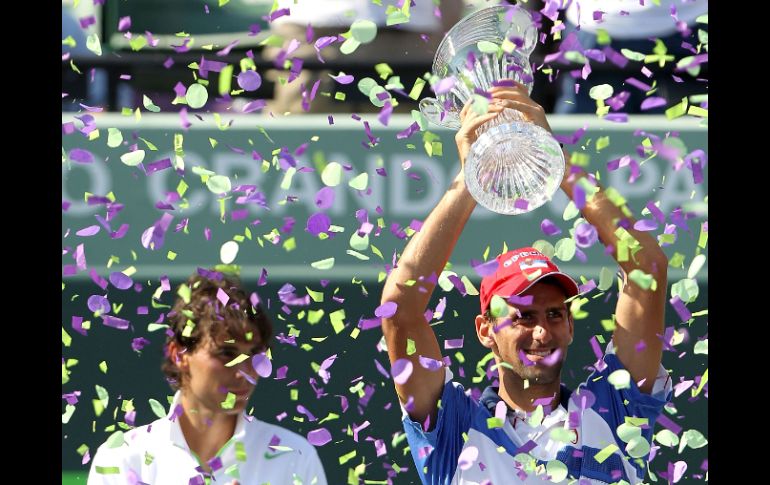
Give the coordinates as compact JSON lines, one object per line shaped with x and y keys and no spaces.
{"x":569,"y":285}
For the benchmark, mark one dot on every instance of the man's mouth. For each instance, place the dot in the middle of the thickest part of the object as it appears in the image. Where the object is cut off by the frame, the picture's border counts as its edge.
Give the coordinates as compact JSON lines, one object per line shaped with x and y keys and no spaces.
{"x":537,"y":354}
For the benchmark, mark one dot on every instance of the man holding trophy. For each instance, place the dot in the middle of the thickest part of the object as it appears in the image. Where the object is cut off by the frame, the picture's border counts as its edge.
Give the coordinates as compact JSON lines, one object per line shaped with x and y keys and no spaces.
{"x":530,"y":429}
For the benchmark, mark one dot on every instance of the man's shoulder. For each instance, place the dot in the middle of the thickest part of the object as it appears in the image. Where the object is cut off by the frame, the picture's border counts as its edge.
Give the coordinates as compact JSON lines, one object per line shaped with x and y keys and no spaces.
{"x":130,"y":448}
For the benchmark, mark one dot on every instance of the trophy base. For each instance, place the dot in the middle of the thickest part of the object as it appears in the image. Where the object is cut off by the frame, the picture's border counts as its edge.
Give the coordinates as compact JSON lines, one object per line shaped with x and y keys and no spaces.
{"x":514,"y":168}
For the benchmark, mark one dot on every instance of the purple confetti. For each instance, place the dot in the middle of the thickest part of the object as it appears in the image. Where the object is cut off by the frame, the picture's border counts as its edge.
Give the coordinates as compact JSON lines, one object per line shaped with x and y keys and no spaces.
{"x":456,"y":343}
{"x":401,"y":370}
{"x":325,"y":365}
{"x":653,"y":102}
{"x":549,"y":228}
{"x":262,"y":365}
{"x":319,"y":437}
{"x":120,"y":280}
{"x":89,"y":231}
{"x":324,"y":198}
{"x":139,"y":343}
{"x":153,"y":237}
{"x":81,"y":156}
{"x":430,"y":364}
{"x":115,"y":322}
{"x":99,"y":304}
{"x":645,"y":225}
{"x":386,"y":310}
{"x":343,"y":78}
{"x":585,"y":235}
{"x":680,"y":308}
{"x":249,"y":80}
{"x":318,"y":223}
{"x":485,"y":268}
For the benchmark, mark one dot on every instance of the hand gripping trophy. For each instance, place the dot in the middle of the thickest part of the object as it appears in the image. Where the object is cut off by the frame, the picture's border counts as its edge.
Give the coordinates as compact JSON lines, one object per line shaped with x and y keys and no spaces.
{"x":514,"y":166}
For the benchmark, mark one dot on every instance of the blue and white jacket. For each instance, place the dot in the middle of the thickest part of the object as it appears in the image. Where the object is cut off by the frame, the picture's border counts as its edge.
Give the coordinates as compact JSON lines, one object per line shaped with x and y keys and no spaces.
{"x":579,"y":440}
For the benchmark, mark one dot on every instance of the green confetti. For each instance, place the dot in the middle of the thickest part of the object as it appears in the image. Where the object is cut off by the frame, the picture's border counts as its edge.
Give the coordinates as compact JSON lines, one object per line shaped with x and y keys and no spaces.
{"x":556,"y":470}
{"x":149,"y":105}
{"x":196,"y":96}
{"x":103,"y":366}
{"x":287,"y":177}
{"x":107,"y":470}
{"x":686,"y":290}
{"x":114,"y":137}
{"x":606,"y":452}
{"x":357,"y":255}
{"x":347,"y":457}
{"x":316,"y":296}
{"x":605,"y":278}
{"x":487,"y":47}
{"x":115,"y":440}
{"x":157,"y":408}
{"x":601,"y":92}
{"x":93,"y":44}
{"x":359,"y":243}
{"x":360,"y":181}
{"x":332,"y":174}
{"x":565,"y":249}
{"x":498,"y":307}
{"x":570,"y":211}
{"x":643,"y":280}
{"x":314,"y":316}
{"x":632,"y":55}
{"x":366,"y":84}
{"x":417,"y":88}
{"x":349,"y":46}
{"x":323,"y":264}
{"x":701,"y":347}
{"x":621,"y":379}
{"x":229,"y":402}
{"x":677,"y":110}
{"x":411,"y":348}
{"x":374,"y":96}
{"x":237,"y":360}
{"x":338,"y":320}
{"x":544,"y":247}
{"x":69,"y":409}
{"x":137,"y":42}
{"x":65,"y":338}
{"x":469,"y":288}
{"x":494,"y":423}
{"x":132,"y":159}
{"x":218,"y":184}
{"x":667,"y":437}
{"x":638,"y":447}
{"x":363,"y":31}
{"x":240,"y":451}
{"x":225,"y":79}
{"x":692,"y":438}
{"x":696,"y":265}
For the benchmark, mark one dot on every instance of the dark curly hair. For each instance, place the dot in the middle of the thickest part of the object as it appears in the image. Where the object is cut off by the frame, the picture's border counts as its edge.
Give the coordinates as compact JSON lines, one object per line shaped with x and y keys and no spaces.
{"x":202,"y":315}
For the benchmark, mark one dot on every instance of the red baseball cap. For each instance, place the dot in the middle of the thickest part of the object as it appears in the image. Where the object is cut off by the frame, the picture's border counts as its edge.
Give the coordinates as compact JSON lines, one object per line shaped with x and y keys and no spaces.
{"x":517,"y":271}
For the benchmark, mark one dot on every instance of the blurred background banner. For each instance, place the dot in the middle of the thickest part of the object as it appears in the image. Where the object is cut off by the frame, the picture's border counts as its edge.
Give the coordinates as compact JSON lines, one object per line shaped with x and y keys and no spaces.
{"x":398,"y":183}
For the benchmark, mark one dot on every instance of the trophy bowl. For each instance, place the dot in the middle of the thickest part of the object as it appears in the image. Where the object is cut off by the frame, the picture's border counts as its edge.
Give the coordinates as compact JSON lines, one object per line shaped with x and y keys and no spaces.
{"x":514,"y":166}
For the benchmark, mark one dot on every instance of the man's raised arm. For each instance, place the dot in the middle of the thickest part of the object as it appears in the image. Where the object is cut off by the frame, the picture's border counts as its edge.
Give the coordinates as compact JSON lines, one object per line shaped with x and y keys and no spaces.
{"x":425,"y":257}
{"x":641,"y":303}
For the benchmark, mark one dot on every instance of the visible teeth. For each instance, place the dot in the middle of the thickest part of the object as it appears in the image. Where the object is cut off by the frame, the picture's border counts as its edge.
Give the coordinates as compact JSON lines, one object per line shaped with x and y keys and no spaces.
{"x":541,"y":353}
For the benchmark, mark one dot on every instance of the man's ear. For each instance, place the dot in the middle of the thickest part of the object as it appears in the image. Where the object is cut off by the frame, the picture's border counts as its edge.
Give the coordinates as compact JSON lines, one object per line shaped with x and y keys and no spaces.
{"x":178,"y":355}
{"x":484,"y":331}
{"x":571,"y":327}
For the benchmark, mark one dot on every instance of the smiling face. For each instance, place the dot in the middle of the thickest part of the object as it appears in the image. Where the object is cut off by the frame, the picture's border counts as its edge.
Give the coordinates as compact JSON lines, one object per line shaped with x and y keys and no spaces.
{"x":207,"y":380}
{"x":213,"y":322}
{"x":533,"y":339}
